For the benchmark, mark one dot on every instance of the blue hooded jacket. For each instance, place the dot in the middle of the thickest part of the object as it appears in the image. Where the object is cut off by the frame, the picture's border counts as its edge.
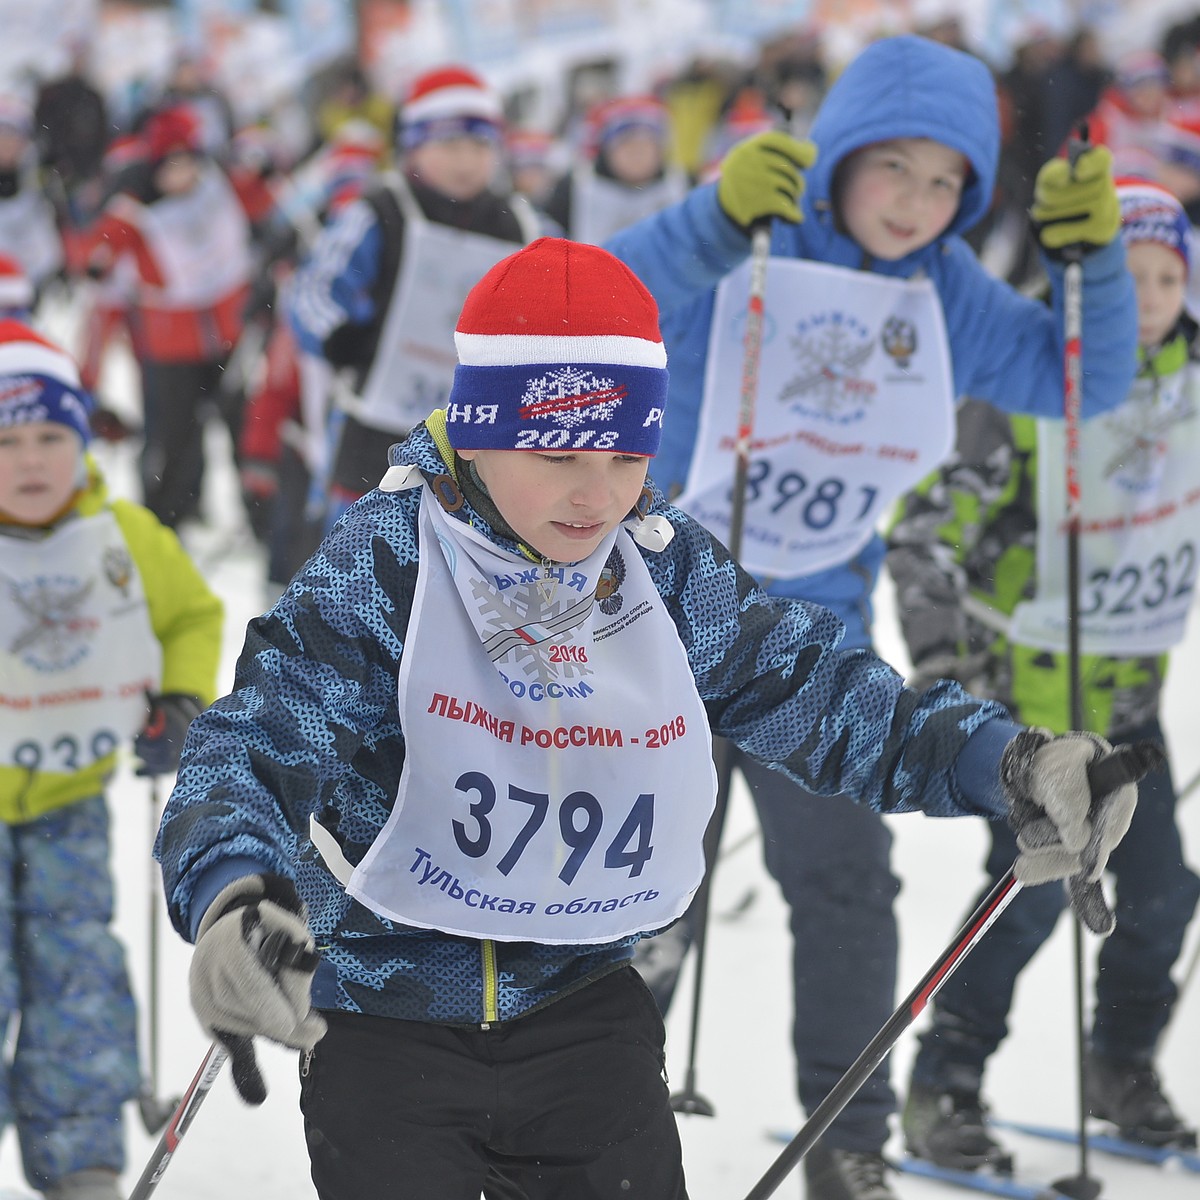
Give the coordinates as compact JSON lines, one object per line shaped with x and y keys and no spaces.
{"x":1004,"y":347}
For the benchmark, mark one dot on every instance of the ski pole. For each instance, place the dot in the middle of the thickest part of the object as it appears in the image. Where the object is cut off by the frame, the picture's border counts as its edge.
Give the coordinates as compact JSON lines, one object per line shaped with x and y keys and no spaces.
{"x":1081,"y":1186}
{"x":1125,"y":764}
{"x":688,"y":1098}
{"x":181,"y":1118}
{"x":277,"y":951}
{"x":153,"y":1108}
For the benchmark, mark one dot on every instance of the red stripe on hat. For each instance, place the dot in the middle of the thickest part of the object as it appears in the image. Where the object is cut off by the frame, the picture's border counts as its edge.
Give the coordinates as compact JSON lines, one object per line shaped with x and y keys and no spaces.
{"x":559,"y":288}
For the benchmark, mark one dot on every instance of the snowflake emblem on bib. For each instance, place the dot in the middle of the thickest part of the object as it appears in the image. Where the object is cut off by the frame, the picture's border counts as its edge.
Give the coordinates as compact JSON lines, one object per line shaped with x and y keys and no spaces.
{"x":1143,"y":427}
{"x":58,"y":633}
{"x":571,"y":396}
{"x":829,"y":349}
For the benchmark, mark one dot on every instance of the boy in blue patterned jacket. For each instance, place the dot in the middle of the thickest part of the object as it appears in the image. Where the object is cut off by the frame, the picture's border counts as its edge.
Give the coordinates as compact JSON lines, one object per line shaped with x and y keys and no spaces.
{"x":466,"y":766}
{"x":878,"y":315}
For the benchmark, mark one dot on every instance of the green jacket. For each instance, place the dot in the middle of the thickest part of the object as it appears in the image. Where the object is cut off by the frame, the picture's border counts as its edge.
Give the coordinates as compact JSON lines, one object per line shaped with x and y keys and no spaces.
{"x":969,"y":530}
{"x":185,"y":614}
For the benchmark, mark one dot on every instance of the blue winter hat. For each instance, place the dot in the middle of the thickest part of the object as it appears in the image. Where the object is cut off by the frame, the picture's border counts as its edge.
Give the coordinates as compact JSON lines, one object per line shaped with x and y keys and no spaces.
{"x":40,"y":382}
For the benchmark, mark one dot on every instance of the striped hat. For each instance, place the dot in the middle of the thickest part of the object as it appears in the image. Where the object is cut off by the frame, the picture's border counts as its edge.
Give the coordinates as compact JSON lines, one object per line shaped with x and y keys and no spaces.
{"x":1149,"y":213}
{"x":449,"y":102}
{"x":559,"y":349}
{"x":613,"y":118}
{"x":39,"y":382}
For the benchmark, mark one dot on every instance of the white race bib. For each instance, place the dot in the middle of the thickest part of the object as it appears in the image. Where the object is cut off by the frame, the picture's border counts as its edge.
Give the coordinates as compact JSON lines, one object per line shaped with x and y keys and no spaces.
{"x":79,"y":650}
{"x":415,"y":359}
{"x":558,"y":776}
{"x":855,"y":405}
{"x":1139,"y":525}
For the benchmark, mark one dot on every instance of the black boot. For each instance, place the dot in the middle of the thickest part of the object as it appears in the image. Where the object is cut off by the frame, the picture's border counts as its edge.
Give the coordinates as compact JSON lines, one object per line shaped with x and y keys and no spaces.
{"x":949,"y":1128}
{"x":1128,"y":1093}
{"x":831,"y":1174}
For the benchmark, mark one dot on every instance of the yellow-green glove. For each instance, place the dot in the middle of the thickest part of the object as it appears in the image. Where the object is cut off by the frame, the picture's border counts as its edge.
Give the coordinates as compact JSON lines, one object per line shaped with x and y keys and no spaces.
{"x":762,"y":177}
{"x":1076,"y":207}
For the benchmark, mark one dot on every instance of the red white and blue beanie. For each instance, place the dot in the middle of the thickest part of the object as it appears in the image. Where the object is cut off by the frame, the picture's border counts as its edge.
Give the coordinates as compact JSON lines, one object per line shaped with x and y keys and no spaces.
{"x":39,"y":382}
{"x":446,"y":103}
{"x":1149,"y":213}
{"x":559,"y":350}
{"x":612,"y":118}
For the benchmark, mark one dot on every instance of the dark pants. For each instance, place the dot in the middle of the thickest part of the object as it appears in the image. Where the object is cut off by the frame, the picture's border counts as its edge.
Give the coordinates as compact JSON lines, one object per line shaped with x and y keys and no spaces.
{"x":1156,"y":895}
{"x":568,"y":1103}
{"x":831,"y":859}
{"x":177,"y":399}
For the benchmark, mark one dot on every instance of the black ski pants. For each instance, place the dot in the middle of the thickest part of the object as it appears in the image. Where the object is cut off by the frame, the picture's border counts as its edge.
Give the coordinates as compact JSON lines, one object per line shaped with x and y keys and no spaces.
{"x":567,"y":1103}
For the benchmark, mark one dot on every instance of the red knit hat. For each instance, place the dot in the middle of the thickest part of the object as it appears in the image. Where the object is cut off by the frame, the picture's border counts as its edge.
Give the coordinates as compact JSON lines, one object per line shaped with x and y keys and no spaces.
{"x":447,"y":102}
{"x":174,"y":130}
{"x":559,"y":349}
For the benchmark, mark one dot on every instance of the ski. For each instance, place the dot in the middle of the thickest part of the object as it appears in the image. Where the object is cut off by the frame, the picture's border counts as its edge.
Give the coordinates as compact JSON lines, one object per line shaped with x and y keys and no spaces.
{"x":977,"y":1181}
{"x":1108,"y":1143}
{"x":986,"y":1182}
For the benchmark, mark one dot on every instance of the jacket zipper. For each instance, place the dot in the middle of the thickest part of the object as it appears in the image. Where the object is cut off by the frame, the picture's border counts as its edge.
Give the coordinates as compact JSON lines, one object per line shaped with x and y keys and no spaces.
{"x":487,"y":949}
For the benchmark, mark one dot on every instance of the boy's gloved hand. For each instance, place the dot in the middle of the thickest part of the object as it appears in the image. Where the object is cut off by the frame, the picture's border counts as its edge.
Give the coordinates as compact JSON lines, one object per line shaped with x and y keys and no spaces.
{"x":1076,"y":205}
{"x":161,"y":740}
{"x":251,"y":974}
{"x":762,"y":177}
{"x":1062,"y":830}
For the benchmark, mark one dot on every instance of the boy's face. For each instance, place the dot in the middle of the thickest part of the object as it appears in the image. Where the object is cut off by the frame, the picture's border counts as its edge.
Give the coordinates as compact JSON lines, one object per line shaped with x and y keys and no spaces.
{"x":39,"y":463}
{"x":458,"y":167}
{"x":1160,"y":279}
{"x":561,"y":505}
{"x":898,"y":196}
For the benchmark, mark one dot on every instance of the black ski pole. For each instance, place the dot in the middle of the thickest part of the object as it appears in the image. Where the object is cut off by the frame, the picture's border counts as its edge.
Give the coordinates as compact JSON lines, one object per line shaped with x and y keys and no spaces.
{"x":277,"y":951}
{"x":688,"y":1098}
{"x":1124,"y":765}
{"x":1082,"y":1186}
{"x":154,"y":1109}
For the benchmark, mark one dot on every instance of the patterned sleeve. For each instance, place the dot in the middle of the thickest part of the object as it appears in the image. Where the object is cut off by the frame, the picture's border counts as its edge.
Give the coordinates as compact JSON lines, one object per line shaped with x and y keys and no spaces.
{"x":312,"y":718}
{"x":775,"y":682}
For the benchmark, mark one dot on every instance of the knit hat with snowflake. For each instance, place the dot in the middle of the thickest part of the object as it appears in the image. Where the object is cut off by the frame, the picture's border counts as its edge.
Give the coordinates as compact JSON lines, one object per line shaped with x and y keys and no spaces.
{"x":559,"y":350}
{"x":39,"y":382}
{"x":1149,"y":213}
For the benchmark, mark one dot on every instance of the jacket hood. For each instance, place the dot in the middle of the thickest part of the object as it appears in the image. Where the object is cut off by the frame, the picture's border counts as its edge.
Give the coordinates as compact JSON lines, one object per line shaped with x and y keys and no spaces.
{"x":910,"y":87}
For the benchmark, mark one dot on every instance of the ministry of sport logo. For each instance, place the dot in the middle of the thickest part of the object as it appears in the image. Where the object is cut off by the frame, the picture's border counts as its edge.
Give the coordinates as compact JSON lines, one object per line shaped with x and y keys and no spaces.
{"x":829,"y":350}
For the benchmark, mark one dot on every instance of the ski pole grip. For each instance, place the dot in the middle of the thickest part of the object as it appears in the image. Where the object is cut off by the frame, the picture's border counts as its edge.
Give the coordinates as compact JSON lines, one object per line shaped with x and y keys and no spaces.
{"x":1078,"y":144}
{"x":1126,"y":764}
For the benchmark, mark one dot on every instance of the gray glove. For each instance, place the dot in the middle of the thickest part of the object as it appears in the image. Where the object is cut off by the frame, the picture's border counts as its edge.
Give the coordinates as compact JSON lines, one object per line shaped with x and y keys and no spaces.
{"x":251,"y":974}
{"x":1062,"y":830}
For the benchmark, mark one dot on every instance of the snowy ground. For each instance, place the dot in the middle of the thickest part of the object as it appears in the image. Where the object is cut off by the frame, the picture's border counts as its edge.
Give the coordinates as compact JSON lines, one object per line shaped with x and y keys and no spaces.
{"x":744,"y":1064}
